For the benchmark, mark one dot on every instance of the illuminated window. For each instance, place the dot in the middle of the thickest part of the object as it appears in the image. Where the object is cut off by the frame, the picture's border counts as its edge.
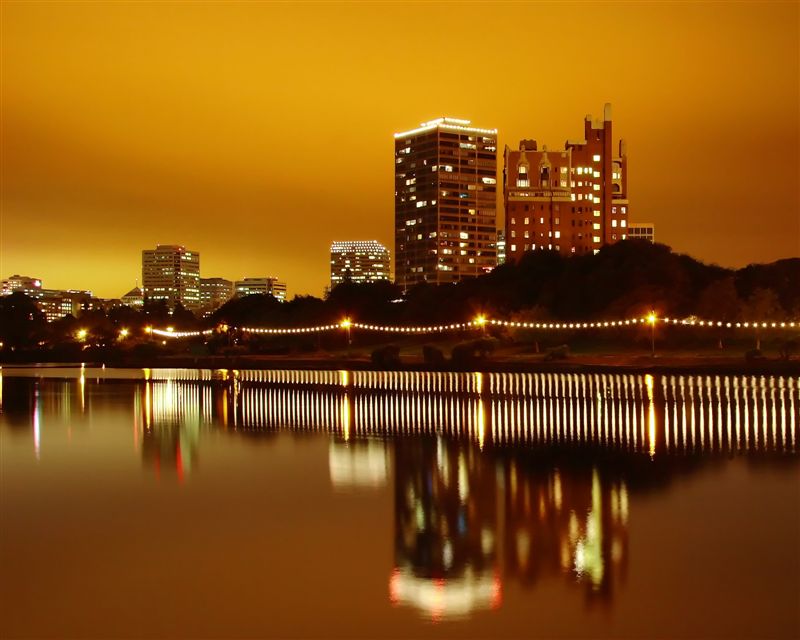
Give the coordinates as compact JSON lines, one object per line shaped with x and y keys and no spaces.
{"x":463,"y":235}
{"x":513,"y":233}
{"x":558,"y":234}
{"x":613,"y":223}
{"x":623,"y":223}
{"x":596,"y":213}
{"x":513,"y":247}
{"x":596,"y":238}
{"x":563,"y":169}
{"x":596,"y":225}
{"x":596,"y":174}
{"x":596,"y":187}
{"x":624,"y":209}
{"x":596,"y":158}
{"x":527,"y":220}
{"x":527,"y":234}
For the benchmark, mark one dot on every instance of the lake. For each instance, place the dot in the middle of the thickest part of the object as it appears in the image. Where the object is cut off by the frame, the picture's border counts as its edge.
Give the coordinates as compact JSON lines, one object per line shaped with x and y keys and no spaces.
{"x":199,"y":503}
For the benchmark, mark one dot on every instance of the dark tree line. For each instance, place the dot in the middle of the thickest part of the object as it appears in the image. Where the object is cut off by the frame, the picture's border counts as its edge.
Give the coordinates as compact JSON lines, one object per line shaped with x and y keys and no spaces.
{"x":626,"y":279}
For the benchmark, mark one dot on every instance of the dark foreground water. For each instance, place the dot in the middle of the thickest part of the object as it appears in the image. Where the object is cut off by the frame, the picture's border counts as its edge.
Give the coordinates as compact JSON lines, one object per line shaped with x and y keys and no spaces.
{"x":335,"y":504}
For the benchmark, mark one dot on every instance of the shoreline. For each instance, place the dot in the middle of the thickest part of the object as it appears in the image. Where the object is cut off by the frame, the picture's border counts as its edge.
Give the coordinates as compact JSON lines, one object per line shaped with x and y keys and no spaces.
{"x":666,"y":364}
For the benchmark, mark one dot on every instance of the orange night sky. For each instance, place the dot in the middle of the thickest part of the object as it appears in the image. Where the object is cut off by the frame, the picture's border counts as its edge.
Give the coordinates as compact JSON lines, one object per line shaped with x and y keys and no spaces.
{"x":257,"y":133}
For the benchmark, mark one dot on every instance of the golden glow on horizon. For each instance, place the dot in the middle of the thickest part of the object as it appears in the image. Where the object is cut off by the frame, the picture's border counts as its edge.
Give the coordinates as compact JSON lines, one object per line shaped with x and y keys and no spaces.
{"x":71,"y":68}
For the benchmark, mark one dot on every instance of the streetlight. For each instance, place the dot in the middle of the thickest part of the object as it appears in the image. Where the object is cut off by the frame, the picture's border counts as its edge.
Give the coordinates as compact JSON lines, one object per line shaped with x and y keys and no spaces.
{"x":82,"y":333}
{"x":480,"y":320}
{"x":123,"y":333}
{"x":652,"y":320}
{"x":346,"y":324}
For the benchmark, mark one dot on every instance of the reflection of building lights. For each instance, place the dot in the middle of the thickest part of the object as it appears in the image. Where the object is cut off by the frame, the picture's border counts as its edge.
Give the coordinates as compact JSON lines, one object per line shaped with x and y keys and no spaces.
{"x":359,"y":464}
{"x":441,"y":598}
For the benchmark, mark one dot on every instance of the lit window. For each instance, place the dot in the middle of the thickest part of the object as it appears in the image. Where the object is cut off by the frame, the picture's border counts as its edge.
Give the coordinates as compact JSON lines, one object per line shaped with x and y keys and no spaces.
{"x":580,"y":171}
{"x":563,"y":169}
{"x":596,"y":213}
{"x":623,"y":223}
{"x":463,"y":235}
{"x":624,"y":236}
{"x":596,"y":157}
{"x":613,"y":223}
{"x":572,"y":197}
{"x":624,"y":209}
{"x":527,"y":234}
{"x":513,"y":221}
{"x":541,"y":220}
{"x":596,"y":238}
{"x":527,"y":220}
{"x":613,"y":209}
{"x":596,"y":174}
{"x":558,"y":234}
{"x":596,"y":187}
{"x":596,"y":226}
{"x":597,"y":199}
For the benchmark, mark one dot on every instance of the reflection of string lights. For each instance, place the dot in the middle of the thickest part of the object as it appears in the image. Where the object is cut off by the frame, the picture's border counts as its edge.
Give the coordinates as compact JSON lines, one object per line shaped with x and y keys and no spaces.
{"x":482,"y":321}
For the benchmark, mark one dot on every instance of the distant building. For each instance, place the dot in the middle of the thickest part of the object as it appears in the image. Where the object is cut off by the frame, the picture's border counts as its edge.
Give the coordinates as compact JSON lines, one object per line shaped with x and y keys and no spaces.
{"x":572,"y":200}
{"x":214,"y":292}
{"x":261,"y":286}
{"x":31,"y":287}
{"x":641,"y":231}
{"x":445,"y":202}
{"x":359,"y":261}
{"x":134,"y":298}
{"x":56,"y":304}
{"x":171,"y":273}
{"x":501,"y":247}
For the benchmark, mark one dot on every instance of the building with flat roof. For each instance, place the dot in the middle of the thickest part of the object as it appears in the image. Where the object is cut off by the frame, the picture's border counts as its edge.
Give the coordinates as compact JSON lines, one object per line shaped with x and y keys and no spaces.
{"x":641,"y":231}
{"x":445,"y":202}
{"x":171,"y":273}
{"x":572,"y":200}
{"x":31,"y":287}
{"x":214,"y":292}
{"x":261,"y":286}
{"x":359,"y":261}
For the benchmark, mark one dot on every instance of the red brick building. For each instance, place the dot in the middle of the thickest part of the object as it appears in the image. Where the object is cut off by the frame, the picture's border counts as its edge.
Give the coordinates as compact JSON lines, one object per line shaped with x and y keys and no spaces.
{"x":573,"y":200}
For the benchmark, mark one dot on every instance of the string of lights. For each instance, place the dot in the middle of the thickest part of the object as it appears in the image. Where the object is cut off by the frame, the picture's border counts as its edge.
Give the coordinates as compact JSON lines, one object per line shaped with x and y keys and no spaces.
{"x":481,"y":322}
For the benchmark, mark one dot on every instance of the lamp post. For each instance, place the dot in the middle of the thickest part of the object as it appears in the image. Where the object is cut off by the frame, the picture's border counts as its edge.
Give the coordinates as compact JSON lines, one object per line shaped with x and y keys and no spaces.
{"x":481,"y":322}
{"x":652,"y":320}
{"x":346,"y":324}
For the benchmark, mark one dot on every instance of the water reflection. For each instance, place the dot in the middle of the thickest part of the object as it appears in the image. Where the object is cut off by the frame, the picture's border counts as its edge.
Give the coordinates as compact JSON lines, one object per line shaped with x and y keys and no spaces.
{"x":509,"y":478}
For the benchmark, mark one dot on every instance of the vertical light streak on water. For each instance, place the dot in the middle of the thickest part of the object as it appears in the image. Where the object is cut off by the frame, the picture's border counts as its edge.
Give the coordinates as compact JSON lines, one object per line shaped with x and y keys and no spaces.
{"x":791,"y":412}
{"x":651,"y":415}
{"x":774,"y":402}
{"x":764,"y":415}
{"x":37,"y":422}
{"x":782,"y":391}
{"x":698,"y":382}
{"x":692,"y":414}
{"x":664,"y":388}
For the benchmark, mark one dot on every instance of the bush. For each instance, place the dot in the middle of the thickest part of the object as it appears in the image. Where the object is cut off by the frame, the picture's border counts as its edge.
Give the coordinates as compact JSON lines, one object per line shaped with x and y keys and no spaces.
{"x":386,"y":357}
{"x":433,"y":356}
{"x":752,"y":355}
{"x":789,"y":348}
{"x":561,"y":352}
{"x":472,"y":352}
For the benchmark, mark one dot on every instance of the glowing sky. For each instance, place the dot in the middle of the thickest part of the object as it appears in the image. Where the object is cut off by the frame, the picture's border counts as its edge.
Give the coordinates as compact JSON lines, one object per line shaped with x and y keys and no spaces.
{"x":258,"y":133}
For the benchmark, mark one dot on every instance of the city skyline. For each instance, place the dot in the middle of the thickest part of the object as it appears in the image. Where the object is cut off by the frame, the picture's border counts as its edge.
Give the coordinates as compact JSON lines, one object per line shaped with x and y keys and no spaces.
{"x":109,"y":148}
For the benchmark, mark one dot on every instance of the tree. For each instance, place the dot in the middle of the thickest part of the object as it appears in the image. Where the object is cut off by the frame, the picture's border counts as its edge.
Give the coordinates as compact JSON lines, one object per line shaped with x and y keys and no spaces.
{"x":762,"y":305}
{"x":21,"y":322}
{"x":719,"y":300}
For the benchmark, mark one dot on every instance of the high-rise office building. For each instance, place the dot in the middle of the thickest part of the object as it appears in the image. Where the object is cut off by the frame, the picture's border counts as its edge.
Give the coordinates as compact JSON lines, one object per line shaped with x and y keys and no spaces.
{"x":359,"y":261}
{"x":573,"y":200}
{"x":445,"y":202}
{"x":261,"y":286}
{"x":171,"y":273}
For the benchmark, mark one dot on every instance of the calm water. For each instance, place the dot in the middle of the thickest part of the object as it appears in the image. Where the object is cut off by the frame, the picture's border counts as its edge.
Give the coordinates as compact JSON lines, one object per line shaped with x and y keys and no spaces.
{"x":335,"y":504}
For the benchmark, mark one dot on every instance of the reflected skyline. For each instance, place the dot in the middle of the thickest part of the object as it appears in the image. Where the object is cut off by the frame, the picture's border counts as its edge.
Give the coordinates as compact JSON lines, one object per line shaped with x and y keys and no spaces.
{"x":495,"y":479}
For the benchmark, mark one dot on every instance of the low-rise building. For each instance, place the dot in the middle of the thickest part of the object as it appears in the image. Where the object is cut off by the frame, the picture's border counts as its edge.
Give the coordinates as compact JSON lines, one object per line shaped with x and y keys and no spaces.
{"x":261,"y":286}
